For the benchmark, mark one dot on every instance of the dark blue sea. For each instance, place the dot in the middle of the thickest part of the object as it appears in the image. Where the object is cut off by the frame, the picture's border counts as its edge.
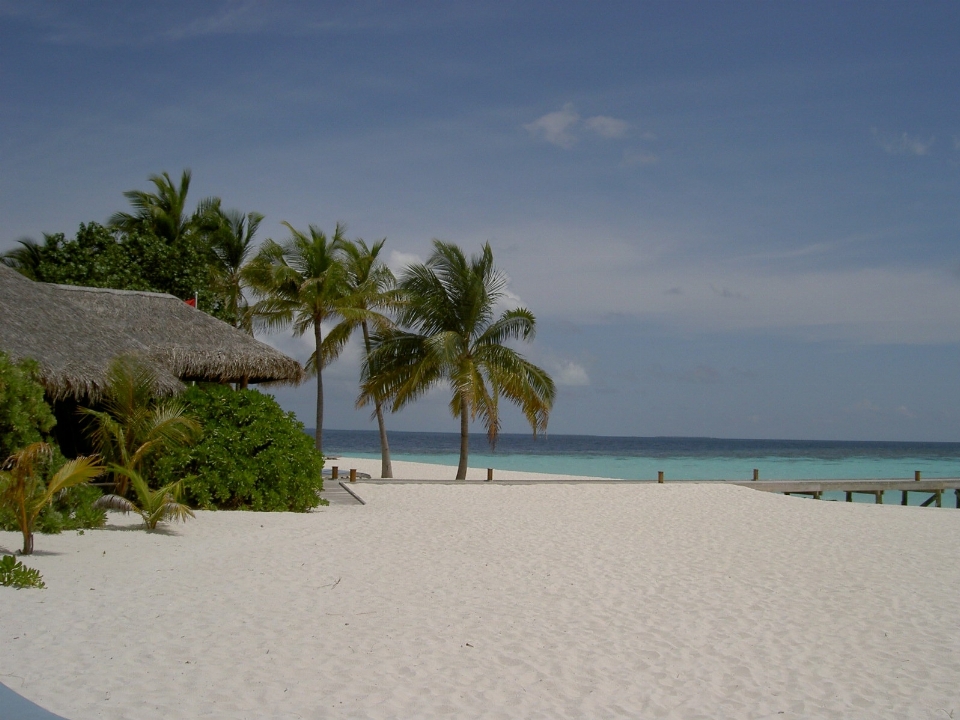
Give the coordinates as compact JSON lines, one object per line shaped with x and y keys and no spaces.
{"x":633,"y":458}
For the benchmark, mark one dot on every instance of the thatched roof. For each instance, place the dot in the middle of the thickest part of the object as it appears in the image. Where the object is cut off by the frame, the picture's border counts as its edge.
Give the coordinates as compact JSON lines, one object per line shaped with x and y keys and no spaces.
{"x":74,"y":333}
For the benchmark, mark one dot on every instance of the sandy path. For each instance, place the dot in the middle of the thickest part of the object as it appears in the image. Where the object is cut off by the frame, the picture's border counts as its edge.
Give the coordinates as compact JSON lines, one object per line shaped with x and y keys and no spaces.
{"x":670,"y":601}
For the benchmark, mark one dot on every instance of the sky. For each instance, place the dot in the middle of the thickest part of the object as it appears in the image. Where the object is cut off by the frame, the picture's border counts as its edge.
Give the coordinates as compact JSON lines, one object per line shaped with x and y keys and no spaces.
{"x":733,"y":219}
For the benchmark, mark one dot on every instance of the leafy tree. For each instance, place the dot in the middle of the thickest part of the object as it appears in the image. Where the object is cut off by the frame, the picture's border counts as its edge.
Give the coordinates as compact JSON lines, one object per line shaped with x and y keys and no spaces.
{"x":302,"y":282}
{"x":25,"y":417}
{"x":23,"y":490}
{"x":253,"y":455}
{"x":371,"y":289}
{"x":153,"y":506}
{"x":449,"y":305}
{"x":133,"y":424}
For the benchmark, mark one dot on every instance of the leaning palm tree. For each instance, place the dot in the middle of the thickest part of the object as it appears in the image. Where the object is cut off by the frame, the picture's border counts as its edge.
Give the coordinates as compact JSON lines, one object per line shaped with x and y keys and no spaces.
{"x":23,"y":491}
{"x":449,"y":305}
{"x":371,"y":289}
{"x":302,"y":282}
{"x":133,"y":423}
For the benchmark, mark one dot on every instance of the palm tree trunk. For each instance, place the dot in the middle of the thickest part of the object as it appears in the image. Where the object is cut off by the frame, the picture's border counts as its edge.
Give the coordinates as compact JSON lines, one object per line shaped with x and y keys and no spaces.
{"x":464,"y":440}
{"x":386,"y":467}
{"x":317,"y":333}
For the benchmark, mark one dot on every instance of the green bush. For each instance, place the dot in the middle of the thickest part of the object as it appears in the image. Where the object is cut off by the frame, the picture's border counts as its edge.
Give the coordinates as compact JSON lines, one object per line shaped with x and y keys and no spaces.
{"x":252,"y":456}
{"x":14,"y":573}
{"x":25,"y":416}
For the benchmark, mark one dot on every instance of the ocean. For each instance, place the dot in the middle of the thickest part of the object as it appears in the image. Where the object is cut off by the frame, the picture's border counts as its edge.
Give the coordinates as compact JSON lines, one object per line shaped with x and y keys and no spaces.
{"x":632,"y":458}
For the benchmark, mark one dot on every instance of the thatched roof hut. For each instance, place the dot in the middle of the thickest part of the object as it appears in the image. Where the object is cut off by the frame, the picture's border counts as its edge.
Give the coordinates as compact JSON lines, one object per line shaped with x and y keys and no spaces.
{"x":75,"y":332}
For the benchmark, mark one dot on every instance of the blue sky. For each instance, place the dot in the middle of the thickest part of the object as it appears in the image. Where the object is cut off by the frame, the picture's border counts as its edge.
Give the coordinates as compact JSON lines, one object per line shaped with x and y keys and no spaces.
{"x":731,"y":219}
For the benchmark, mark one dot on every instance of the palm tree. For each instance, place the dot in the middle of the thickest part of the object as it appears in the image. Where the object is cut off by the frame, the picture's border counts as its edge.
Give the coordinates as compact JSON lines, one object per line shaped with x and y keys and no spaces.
{"x":163,"y":212}
{"x":449,"y":303}
{"x":302,"y":282}
{"x":133,"y":424}
{"x":154,"y":506}
{"x":372,"y":287}
{"x":231,"y":238}
{"x":27,"y":258}
{"x":23,"y":491}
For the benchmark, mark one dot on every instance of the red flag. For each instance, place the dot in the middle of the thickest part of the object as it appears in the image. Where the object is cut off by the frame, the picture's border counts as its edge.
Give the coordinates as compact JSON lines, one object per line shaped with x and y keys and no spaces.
{"x":192,"y":302}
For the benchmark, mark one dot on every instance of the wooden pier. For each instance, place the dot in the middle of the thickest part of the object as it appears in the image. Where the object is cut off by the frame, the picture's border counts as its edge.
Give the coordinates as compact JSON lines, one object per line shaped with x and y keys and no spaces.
{"x":934,"y":489}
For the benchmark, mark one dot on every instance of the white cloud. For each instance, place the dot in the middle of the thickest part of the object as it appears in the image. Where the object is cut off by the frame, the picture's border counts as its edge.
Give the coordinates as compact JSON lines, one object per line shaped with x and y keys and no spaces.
{"x":607,"y":127}
{"x":903,"y":144}
{"x":638,"y":157}
{"x":618,"y":274}
{"x":554,"y":127}
{"x":399,"y":261}
{"x":570,"y":374}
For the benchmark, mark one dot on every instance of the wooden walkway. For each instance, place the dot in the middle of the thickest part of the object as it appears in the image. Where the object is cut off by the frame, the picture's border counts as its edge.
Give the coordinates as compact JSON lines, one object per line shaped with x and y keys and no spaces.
{"x":336,"y":493}
{"x":932,"y":492}
{"x":935,"y":490}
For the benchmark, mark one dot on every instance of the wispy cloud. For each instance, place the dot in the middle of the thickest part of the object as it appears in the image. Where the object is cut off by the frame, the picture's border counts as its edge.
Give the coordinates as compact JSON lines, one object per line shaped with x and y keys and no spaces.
{"x":558,"y":127}
{"x":555,"y":127}
{"x":632,"y":158}
{"x":903,"y":144}
{"x":607,"y":127}
{"x":727,"y":293}
{"x":234,"y":18}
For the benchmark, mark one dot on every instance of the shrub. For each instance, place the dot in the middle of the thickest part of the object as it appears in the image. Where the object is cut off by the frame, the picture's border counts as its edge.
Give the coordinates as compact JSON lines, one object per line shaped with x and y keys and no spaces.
{"x":253,"y":455}
{"x":14,"y":573}
{"x":24,"y":415}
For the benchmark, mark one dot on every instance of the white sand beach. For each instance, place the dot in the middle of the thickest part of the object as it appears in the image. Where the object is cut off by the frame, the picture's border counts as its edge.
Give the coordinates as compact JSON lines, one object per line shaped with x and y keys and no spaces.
{"x":500,"y":601}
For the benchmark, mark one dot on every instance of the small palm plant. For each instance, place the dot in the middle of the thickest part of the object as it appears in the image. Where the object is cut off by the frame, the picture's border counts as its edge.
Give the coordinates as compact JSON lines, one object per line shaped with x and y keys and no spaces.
{"x":154,"y":506}
{"x":23,"y":490}
{"x":133,"y":424}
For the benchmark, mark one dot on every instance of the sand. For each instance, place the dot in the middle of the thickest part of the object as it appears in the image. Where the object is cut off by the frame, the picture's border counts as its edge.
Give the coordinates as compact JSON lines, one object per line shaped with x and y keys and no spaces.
{"x":500,"y":601}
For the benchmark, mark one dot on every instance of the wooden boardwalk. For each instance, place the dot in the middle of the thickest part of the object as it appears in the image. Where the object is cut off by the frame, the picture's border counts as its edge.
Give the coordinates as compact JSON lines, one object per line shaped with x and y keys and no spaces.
{"x":932,"y":492}
{"x":935,"y":490}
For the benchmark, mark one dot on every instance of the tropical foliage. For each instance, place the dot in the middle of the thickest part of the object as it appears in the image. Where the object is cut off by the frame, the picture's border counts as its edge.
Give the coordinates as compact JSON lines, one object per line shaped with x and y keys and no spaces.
{"x":371,"y":289}
{"x":24,"y":415}
{"x":253,"y":455}
{"x":160,"y":246}
{"x":454,"y":337}
{"x":302,"y":282}
{"x":24,"y":492}
{"x":14,"y":573}
{"x":153,"y":506}
{"x":134,"y":425}
{"x":440,"y":325}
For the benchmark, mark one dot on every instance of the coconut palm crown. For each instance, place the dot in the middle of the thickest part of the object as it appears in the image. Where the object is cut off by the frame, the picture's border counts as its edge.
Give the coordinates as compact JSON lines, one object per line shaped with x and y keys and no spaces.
{"x":454,"y":337}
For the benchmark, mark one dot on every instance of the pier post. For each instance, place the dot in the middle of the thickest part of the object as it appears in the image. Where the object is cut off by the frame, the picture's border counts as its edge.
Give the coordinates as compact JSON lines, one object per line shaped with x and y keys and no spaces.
{"x":353,"y":474}
{"x":489,"y":474}
{"x":916,"y":475}
{"x":660,"y":476}
{"x":904,"y":500}
{"x":849,"y":496}
{"x":334,"y":472}
{"x":756,"y":474}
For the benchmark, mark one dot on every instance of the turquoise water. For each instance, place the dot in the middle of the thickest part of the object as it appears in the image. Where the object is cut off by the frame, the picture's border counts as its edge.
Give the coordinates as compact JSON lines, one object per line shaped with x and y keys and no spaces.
{"x":678,"y":458}
{"x":699,"y":468}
